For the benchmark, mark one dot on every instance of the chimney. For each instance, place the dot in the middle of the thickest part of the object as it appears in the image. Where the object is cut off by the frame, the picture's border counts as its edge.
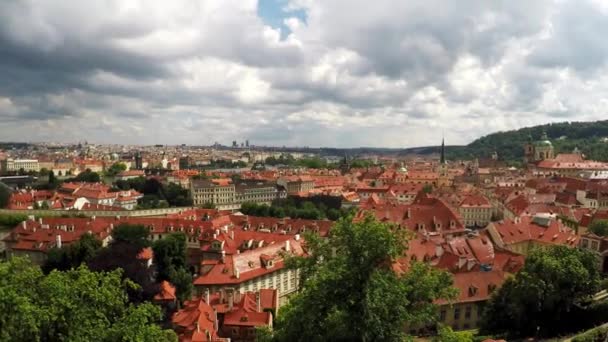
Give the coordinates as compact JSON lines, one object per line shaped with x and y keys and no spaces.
{"x":237,"y":274}
{"x":232,"y":234}
{"x":40,"y":220}
{"x":215,"y":323}
{"x":24,"y":224}
{"x":58,"y":240}
{"x":408,"y":213}
{"x":297,"y":237}
{"x":207,"y":295}
{"x":230,"y":295}
{"x":93,"y":218}
{"x":198,"y":327}
{"x":287,"y":246}
{"x":223,"y":256}
{"x":438,"y":250}
{"x":258,"y":301}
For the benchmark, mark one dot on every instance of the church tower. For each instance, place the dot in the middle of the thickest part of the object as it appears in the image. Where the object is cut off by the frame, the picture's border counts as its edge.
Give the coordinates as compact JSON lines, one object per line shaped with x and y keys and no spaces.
{"x":444,"y":179}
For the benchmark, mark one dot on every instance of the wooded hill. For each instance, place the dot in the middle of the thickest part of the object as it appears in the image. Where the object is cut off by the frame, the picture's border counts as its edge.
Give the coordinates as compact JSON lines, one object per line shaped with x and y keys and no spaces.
{"x":590,"y":137}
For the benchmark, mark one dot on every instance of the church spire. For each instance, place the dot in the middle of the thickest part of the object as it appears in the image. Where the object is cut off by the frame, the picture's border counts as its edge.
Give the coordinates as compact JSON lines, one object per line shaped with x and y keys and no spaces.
{"x":442,"y":159}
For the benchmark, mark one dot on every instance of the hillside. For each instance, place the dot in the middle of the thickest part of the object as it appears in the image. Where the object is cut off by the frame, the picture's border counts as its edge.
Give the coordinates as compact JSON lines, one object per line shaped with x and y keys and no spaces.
{"x":589,"y":137}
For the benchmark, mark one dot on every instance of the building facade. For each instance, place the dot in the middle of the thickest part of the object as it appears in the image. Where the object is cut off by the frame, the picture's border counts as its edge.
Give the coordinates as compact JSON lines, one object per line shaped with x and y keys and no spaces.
{"x":13,"y":165}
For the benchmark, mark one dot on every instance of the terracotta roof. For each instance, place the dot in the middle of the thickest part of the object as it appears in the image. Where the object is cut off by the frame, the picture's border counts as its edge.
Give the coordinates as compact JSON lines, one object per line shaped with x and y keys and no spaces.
{"x":476,"y":286}
{"x":528,"y":229}
{"x":166,"y":293}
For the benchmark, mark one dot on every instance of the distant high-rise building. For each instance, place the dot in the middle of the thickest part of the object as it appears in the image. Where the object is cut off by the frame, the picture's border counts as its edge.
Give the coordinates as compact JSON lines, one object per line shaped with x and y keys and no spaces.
{"x":246,"y":143}
{"x":235,"y":144}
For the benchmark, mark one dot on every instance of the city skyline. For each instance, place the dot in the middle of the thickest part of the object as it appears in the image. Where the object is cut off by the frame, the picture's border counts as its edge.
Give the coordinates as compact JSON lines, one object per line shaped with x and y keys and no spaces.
{"x":296,"y":73}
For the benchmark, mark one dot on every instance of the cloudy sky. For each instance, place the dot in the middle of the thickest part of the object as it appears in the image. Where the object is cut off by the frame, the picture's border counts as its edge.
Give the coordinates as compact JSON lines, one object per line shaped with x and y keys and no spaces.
{"x":345,"y":73}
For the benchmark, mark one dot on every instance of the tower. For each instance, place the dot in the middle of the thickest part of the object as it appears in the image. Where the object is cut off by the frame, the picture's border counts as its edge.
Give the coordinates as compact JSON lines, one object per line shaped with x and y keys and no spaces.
{"x":444,"y":179}
{"x":138,"y":161}
{"x":543,"y":149}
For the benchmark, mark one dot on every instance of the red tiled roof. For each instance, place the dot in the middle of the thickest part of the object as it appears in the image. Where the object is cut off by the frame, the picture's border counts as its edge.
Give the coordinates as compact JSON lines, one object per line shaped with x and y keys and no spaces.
{"x":166,"y":293}
{"x":476,"y":286}
{"x":525,"y":229}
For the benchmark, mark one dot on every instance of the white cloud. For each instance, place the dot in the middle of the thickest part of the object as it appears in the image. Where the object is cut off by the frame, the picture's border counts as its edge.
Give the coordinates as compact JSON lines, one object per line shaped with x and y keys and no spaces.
{"x":397,"y":73}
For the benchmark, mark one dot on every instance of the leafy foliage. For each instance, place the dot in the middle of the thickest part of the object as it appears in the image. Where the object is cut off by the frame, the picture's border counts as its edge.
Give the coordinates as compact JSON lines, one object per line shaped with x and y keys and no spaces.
{"x":349,"y":291}
{"x":170,"y":260}
{"x":134,"y":234}
{"x":75,"y":305}
{"x":73,"y":255}
{"x":540,"y":299}
{"x":446,"y":334}
{"x":565,"y":136}
{"x":116,"y":168}
{"x":315,"y":208}
{"x":5,"y":194}
{"x":86,"y":176}
{"x":599,"y":227}
{"x":156,"y":195}
{"x":11,"y":220}
{"x":123,"y":255}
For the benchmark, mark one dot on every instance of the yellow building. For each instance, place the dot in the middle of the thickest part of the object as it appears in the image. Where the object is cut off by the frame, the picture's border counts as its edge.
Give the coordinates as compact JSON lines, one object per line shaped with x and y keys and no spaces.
{"x":476,"y":211}
{"x":475,"y":288}
{"x":523,"y":234}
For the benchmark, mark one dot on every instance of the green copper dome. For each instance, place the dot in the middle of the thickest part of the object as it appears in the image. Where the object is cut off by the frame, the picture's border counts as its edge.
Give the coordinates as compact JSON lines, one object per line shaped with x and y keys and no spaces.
{"x":544,"y":140}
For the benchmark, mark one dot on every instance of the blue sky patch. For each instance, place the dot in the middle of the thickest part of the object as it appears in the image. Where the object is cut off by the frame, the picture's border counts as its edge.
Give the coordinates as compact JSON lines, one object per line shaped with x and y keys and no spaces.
{"x":273,"y":14}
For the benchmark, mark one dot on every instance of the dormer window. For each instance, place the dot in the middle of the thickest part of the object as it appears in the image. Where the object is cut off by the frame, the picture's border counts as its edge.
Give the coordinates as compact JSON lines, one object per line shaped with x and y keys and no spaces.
{"x":472,"y":290}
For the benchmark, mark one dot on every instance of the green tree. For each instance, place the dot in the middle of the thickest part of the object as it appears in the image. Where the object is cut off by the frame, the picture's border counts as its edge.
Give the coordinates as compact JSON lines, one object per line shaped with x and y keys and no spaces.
{"x":116,"y":168}
{"x":599,"y":227}
{"x":446,"y":334}
{"x":170,"y":260}
{"x":182,"y":280}
{"x":75,"y":305}
{"x":427,"y":189}
{"x":208,"y":205}
{"x":11,"y":220}
{"x":169,"y":252}
{"x":87,"y":176}
{"x":349,"y":291}
{"x":134,"y":234}
{"x":541,"y":298}
{"x":5,"y":194}
{"x":73,"y":255}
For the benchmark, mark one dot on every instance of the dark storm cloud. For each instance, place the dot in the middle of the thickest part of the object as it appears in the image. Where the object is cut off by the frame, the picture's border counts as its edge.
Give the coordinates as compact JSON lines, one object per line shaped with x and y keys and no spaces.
{"x":352,"y":73}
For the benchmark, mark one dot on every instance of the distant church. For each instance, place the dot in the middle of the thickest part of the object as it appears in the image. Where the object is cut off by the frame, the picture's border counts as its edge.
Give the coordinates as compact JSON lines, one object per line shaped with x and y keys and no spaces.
{"x":535,"y":151}
{"x":444,"y":176}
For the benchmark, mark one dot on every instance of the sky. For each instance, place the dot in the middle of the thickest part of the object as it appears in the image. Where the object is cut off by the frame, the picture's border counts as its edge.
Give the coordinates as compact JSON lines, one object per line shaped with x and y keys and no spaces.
{"x":339,"y":73}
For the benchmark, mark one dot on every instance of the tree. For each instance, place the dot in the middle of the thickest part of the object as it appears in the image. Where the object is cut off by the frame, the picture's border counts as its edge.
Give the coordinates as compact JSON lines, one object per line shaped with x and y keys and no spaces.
{"x":73,"y":255}
{"x":208,"y":205}
{"x":349,"y":291}
{"x":169,"y":252}
{"x":116,"y":168}
{"x":75,"y":305}
{"x":541,"y":298}
{"x":87,"y":176}
{"x":427,"y":189}
{"x":53,"y":182}
{"x":182,"y":280}
{"x":5,"y":194}
{"x":599,"y":227}
{"x":135,"y":234}
{"x":124,"y":255}
{"x":446,"y":334}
